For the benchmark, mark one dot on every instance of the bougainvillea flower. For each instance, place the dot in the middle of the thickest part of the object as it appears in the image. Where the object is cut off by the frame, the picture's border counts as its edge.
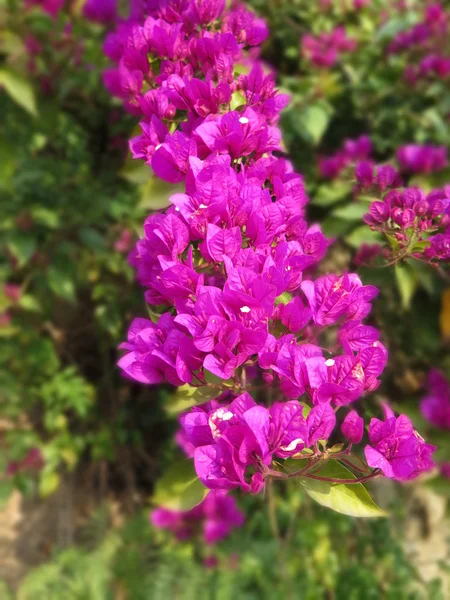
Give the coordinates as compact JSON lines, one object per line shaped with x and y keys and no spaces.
{"x":435,"y":406}
{"x":396,"y":448}
{"x":216,"y":516}
{"x":353,"y":427}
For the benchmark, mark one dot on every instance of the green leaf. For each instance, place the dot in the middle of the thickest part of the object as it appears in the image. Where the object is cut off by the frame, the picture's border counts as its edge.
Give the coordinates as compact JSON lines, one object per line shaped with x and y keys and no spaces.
{"x":406,"y":279}
{"x":306,"y":408}
{"x":351,"y":212}
{"x":363,"y":235}
{"x":48,"y":483}
{"x":187,"y":396}
{"x":331,"y":193}
{"x":395,"y":25}
{"x":155,"y":194}
{"x":61,"y":283}
{"x":19,"y":89}
{"x":348,"y":499}
{"x":313,"y":121}
{"x":237,"y":99}
{"x":283,"y":298}
{"x":22,"y":247}
{"x":91,"y":238}
{"x":28,"y":302}
{"x":44,"y":216}
{"x":179,"y":488}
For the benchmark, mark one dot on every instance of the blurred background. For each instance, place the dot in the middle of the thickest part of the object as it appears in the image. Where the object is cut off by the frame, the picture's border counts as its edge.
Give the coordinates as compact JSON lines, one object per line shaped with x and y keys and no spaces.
{"x":82,"y":450}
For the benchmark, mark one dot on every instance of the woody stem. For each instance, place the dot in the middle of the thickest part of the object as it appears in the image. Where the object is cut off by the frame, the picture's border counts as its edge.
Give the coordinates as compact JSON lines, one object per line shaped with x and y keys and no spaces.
{"x":305,"y":475}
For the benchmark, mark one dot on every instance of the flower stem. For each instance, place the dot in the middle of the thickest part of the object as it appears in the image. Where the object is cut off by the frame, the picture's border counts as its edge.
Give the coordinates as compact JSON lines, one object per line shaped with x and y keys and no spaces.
{"x":305,"y":475}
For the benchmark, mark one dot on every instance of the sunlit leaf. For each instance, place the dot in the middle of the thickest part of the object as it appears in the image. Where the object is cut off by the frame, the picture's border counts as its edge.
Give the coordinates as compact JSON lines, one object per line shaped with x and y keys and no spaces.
{"x":353,"y":211}
{"x":349,"y":499}
{"x":19,"y":89}
{"x":48,"y":483}
{"x":179,"y":488}
{"x":187,"y":396}
{"x":406,"y":283}
{"x":61,"y":283}
{"x":313,"y":121}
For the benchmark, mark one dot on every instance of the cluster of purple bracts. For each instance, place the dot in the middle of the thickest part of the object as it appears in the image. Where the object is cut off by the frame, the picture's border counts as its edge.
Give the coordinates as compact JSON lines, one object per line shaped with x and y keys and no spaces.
{"x":417,"y":224}
{"x":229,"y":265}
{"x":215,"y":517}
{"x":426,"y":45}
{"x":435,"y":406}
{"x":325,"y":49}
{"x":416,"y":158}
{"x":352,"y":151}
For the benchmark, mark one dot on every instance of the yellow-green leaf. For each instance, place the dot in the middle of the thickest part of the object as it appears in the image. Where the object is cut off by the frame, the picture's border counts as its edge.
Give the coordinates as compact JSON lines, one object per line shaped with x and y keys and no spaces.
{"x":179,"y":488}
{"x":347,"y":499}
{"x":19,"y":89}
{"x":187,"y":396}
{"x":48,"y":483}
{"x":406,"y":283}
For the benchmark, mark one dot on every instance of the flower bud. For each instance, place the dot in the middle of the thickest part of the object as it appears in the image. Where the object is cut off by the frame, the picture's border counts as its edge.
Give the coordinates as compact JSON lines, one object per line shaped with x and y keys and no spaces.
{"x":353,"y":427}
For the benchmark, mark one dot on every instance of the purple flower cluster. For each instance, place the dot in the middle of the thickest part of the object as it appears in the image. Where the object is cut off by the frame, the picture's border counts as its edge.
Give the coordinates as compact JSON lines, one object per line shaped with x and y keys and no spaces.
{"x":396,"y":448}
{"x":352,"y":151}
{"x":193,"y":56}
{"x":216,"y":516}
{"x":425,"y":45}
{"x":233,"y":444}
{"x":33,"y":461}
{"x":51,"y":7}
{"x":325,"y":49}
{"x":435,"y":406}
{"x":418,"y":223}
{"x":100,"y":11}
{"x":414,"y":158}
{"x":229,"y":264}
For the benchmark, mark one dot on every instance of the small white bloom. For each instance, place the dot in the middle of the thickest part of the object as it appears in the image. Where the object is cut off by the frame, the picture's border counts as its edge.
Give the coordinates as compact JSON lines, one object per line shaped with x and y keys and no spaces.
{"x":243,"y":120}
{"x":330,"y":362}
{"x":245,"y":309}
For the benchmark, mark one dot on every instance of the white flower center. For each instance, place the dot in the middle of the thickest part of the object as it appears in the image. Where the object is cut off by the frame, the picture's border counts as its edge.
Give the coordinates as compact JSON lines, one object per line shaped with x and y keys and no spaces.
{"x":330,"y":362}
{"x":292,"y":445}
{"x":158,"y":146}
{"x":226,"y":416}
{"x":243,"y":120}
{"x":203,"y":206}
{"x":245,"y":309}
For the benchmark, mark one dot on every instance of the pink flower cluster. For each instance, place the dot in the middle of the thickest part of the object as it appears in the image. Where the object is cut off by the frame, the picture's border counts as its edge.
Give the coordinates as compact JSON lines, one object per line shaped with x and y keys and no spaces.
{"x":419,"y":223}
{"x":100,"y":11}
{"x":426,"y":45}
{"x":51,"y":7}
{"x":215,"y":517}
{"x":325,"y":49}
{"x":414,"y":158}
{"x":359,"y":149}
{"x":33,"y":461}
{"x":229,"y":263}
{"x":435,"y":406}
